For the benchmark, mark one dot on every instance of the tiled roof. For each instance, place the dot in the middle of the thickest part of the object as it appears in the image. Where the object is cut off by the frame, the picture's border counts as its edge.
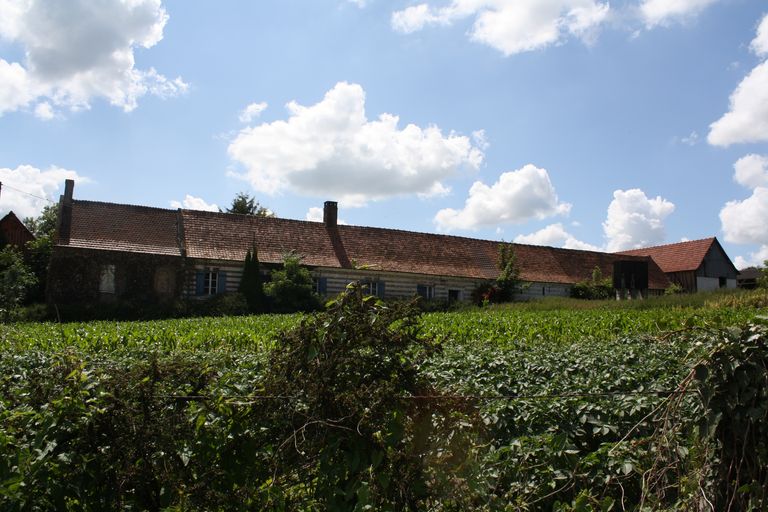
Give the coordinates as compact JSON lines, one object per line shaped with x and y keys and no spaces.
{"x":227,"y":237}
{"x":220,"y":236}
{"x":120,"y":227}
{"x":679,"y":257}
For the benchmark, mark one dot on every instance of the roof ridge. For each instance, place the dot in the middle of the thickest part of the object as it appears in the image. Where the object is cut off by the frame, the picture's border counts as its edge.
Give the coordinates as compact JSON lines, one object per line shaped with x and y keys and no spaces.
{"x":137,"y":206}
{"x":711,"y":239}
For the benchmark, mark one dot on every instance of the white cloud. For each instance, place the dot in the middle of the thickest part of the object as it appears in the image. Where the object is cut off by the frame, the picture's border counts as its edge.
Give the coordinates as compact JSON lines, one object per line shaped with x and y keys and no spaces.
{"x":26,"y":189}
{"x":555,"y":235}
{"x":661,"y":12}
{"x":754,"y":259}
{"x":635,"y":221}
{"x":44,"y":111}
{"x":194,"y":203}
{"x":359,"y":3}
{"x":744,"y":222}
{"x":752,"y":171}
{"x":79,"y":51}
{"x":516,"y":197}
{"x":759,"y":44}
{"x":747,"y":119}
{"x":315,"y":214}
{"x":511,"y":26}
{"x":691,"y":140}
{"x":331,"y":149}
{"x":252,"y":111}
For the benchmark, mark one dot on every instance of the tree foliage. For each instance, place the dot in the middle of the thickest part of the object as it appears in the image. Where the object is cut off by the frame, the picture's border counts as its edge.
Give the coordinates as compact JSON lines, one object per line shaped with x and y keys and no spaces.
{"x":504,"y":287}
{"x":16,"y":280}
{"x":291,"y":287}
{"x":762,"y":281}
{"x":245,"y":204}
{"x":39,"y":250}
{"x":251,"y":285}
{"x":595,"y":288}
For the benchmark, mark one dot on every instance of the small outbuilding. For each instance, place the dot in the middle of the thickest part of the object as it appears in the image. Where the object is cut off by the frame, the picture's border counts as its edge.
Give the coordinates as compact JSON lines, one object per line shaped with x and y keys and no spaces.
{"x":696,"y":265}
{"x":13,"y":232}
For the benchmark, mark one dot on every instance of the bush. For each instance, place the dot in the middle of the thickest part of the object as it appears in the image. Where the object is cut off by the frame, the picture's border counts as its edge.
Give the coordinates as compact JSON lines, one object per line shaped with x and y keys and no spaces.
{"x":291,"y":288}
{"x":16,"y":280}
{"x":595,"y":288}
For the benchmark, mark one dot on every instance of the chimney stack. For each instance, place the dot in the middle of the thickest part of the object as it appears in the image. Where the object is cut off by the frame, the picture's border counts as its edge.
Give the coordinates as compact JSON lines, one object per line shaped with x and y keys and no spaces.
{"x":64,"y":226}
{"x":330,"y":213}
{"x":69,"y":189}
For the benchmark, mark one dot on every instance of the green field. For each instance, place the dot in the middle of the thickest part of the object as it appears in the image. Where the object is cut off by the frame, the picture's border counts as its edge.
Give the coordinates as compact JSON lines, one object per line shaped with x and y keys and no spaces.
{"x":551,"y":405}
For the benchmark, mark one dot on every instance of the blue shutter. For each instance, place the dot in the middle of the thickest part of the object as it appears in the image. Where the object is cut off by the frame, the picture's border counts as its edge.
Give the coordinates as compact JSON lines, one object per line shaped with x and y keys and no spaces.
{"x":421,"y":290}
{"x":199,"y":283}
{"x":221,"y":284}
{"x":381,"y":289}
{"x":322,"y":285}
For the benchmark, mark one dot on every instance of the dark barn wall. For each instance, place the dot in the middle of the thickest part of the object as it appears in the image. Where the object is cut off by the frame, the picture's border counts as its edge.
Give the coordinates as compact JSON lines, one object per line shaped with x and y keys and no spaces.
{"x":717,"y":264}
{"x":74,"y":277}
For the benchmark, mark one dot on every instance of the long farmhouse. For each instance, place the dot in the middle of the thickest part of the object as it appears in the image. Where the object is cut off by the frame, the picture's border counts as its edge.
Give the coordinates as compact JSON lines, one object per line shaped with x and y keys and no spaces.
{"x":108,"y":252}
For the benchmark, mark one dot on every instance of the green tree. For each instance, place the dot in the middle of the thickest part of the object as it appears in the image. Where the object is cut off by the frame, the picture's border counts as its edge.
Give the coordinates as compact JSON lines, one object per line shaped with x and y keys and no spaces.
{"x":16,"y":280}
{"x":39,"y":250}
{"x":509,"y":273}
{"x":244,"y":204}
{"x":762,"y":281}
{"x":251,"y":285}
{"x":291,"y":287}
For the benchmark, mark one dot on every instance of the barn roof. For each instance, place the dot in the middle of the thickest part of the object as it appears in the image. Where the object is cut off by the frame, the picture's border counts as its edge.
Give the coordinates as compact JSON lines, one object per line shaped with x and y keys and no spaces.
{"x":678,"y":257}
{"x":227,"y":237}
{"x":14,"y":231}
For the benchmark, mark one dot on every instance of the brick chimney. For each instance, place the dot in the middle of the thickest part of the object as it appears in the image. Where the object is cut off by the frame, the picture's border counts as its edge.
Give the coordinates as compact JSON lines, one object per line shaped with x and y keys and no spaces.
{"x":330,"y":213}
{"x":65,"y":213}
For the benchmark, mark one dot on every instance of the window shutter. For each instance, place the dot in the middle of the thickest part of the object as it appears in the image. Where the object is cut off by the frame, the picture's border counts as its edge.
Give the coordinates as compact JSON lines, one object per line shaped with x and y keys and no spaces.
{"x":199,"y":283}
{"x":381,"y":289}
{"x":421,"y":290}
{"x":221,"y":285}
{"x":323,"y":285}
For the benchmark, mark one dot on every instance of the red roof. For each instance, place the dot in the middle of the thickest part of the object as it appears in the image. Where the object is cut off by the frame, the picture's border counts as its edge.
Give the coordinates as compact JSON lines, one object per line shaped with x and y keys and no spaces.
{"x":14,"y":232}
{"x":679,"y":257}
{"x":227,"y":237}
{"x":120,"y":227}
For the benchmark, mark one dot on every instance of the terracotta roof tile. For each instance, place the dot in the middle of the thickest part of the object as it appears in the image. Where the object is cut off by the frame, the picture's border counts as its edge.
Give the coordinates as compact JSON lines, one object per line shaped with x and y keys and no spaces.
{"x":227,"y":237}
{"x":220,"y":236}
{"x":119,"y":227}
{"x":678,"y":257}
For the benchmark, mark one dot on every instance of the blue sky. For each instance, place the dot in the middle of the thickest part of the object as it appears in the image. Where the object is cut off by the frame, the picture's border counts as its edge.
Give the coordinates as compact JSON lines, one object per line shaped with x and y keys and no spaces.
{"x":573,"y":123}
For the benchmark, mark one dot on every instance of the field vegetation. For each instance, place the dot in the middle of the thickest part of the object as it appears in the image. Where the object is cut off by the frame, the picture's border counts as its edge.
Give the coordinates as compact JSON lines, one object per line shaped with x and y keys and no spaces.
{"x":553,"y":405}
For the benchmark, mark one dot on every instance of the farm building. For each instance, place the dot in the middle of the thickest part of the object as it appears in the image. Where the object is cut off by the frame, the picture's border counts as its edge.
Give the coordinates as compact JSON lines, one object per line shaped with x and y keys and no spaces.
{"x":107,"y":251}
{"x":696,"y":265}
{"x":14,"y":232}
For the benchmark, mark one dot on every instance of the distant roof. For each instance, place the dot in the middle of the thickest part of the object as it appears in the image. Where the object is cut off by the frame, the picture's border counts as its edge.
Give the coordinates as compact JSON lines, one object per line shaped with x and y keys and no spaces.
{"x":679,"y":257}
{"x":227,"y":237}
{"x":14,"y":231}
{"x":121,"y":227}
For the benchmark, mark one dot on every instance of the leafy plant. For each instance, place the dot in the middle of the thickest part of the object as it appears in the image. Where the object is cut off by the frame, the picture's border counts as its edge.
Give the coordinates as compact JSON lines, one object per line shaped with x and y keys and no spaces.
{"x":244,"y":204}
{"x":16,"y":280}
{"x":251,"y":285}
{"x":290,"y":288}
{"x":595,"y":288}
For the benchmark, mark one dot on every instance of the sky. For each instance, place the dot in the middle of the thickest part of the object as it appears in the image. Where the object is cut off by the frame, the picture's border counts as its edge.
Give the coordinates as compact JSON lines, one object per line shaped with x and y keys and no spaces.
{"x":570,"y":123}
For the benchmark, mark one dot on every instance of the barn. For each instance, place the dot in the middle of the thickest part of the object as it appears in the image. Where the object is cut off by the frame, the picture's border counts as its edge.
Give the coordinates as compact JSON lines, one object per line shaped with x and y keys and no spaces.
{"x":108,"y":252}
{"x":13,"y":232}
{"x":696,"y":265}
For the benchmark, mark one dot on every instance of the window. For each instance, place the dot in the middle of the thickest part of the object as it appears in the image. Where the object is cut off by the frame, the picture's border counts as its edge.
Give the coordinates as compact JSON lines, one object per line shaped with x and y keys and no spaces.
{"x":375,"y":288}
{"x":320,"y":285}
{"x":210,"y":282}
{"x":723,"y":282}
{"x":425,"y":291}
{"x":454,"y":295}
{"x":107,"y":279}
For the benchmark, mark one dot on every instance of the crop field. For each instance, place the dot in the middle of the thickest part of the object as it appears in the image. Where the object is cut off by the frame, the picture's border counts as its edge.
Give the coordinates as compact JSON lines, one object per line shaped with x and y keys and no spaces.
{"x":372,"y":407}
